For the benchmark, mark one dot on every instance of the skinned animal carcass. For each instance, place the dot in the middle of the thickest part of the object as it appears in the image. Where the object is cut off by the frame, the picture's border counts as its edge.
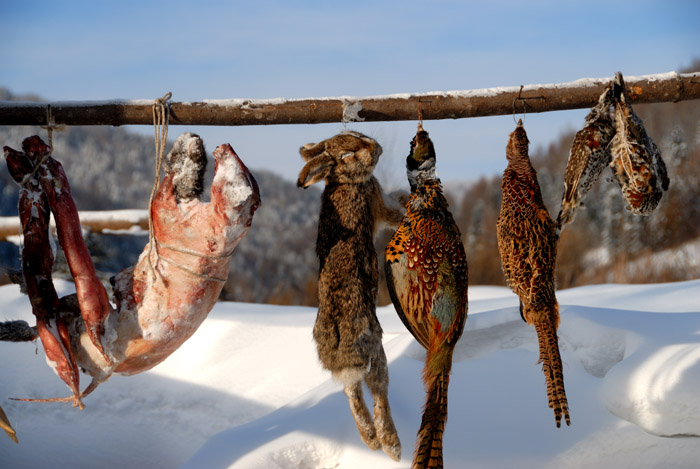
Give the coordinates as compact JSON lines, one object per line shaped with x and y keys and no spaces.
{"x":161,"y":301}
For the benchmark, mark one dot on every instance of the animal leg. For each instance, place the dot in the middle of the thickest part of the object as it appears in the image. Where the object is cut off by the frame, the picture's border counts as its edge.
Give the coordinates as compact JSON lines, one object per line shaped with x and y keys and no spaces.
{"x":37,"y":262}
{"x":361,"y":415}
{"x":92,"y":296}
{"x":378,"y":382}
{"x":232,"y":185}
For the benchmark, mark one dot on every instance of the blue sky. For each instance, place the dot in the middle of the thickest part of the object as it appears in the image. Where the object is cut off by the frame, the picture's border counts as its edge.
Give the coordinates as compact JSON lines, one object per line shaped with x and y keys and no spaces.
{"x":86,"y":50}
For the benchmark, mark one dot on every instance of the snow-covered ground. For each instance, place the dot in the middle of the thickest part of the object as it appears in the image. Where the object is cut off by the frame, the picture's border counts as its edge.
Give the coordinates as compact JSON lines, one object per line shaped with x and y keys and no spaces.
{"x":247,"y":391}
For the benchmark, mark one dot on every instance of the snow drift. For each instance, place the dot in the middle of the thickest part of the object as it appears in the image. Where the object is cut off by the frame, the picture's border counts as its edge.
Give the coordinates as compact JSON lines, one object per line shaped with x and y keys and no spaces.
{"x":246,"y":391}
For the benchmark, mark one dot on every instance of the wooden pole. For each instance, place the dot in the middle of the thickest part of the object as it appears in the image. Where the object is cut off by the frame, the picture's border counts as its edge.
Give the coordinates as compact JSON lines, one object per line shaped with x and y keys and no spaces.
{"x":584,"y":93}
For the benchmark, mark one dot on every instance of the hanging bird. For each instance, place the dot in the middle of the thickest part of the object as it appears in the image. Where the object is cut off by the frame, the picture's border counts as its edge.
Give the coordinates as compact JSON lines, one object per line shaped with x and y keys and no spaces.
{"x":589,"y":156}
{"x":636,"y":161}
{"x":426,"y":272}
{"x":527,"y":242}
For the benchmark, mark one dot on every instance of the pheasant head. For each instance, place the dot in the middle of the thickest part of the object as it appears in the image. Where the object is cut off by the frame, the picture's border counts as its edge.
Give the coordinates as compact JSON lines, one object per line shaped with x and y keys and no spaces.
{"x":601,"y":111}
{"x":517,"y":148}
{"x":420,"y":163}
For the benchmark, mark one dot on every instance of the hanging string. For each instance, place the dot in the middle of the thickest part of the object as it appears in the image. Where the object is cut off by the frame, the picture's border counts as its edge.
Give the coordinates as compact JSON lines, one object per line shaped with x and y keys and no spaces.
{"x":190,"y":252}
{"x":420,"y":116}
{"x":420,"y":111}
{"x":519,"y":97}
{"x":161,"y":118}
{"x":51,"y":126}
{"x":194,"y":253}
{"x":192,"y":272}
{"x":28,"y":177}
{"x":523,"y":100}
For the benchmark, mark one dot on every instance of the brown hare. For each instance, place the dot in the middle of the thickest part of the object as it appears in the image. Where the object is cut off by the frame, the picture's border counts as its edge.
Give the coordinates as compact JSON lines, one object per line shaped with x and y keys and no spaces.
{"x":347,"y":333}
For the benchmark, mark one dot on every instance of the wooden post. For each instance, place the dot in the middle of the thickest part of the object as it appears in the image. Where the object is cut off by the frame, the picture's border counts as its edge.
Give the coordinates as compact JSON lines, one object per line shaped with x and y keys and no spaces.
{"x":583,"y":93}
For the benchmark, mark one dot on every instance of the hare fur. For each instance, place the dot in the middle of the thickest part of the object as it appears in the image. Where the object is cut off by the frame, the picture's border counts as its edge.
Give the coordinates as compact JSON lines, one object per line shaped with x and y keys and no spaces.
{"x":347,"y":333}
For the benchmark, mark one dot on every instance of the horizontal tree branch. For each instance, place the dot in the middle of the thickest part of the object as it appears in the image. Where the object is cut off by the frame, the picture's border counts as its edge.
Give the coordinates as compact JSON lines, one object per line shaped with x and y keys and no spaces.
{"x":96,"y":220}
{"x":583,"y":93}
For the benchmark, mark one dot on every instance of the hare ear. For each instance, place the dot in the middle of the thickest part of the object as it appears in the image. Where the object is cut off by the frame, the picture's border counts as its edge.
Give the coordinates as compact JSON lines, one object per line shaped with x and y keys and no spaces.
{"x":315,"y":170}
{"x":310,"y":150}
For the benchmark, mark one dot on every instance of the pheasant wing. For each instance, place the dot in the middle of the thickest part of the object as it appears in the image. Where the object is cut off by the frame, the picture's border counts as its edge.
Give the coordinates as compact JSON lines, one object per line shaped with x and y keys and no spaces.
{"x":427,"y":280}
{"x":409,"y":284}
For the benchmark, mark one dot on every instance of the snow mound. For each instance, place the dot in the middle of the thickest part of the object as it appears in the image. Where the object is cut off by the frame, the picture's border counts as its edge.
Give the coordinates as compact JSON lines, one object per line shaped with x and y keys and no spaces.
{"x":246,"y":391}
{"x":657,"y":387}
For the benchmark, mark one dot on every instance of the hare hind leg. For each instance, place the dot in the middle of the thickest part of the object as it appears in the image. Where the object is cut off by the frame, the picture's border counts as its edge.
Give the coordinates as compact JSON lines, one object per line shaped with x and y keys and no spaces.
{"x":361,"y":414}
{"x":378,"y":382}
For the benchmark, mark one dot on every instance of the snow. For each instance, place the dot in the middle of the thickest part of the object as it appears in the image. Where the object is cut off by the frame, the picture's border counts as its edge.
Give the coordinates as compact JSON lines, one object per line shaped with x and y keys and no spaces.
{"x":246,"y":391}
{"x":351,"y":111}
{"x":353,"y":104}
{"x":133,"y":216}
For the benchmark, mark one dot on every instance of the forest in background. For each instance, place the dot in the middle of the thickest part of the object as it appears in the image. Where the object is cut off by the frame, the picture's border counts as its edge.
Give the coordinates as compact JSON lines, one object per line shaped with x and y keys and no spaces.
{"x":112,"y":168}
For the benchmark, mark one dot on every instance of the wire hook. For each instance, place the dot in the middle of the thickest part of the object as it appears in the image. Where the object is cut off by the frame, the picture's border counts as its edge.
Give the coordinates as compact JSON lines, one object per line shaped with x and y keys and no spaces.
{"x":420,"y":116}
{"x":522,"y":100}
{"x":161,"y":119}
{"x":51,"y":126}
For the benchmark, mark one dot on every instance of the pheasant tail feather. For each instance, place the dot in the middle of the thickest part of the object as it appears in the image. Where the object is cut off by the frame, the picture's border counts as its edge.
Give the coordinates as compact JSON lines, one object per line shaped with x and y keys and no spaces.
{"x":429,"y":447}
{"x":553,"y":370}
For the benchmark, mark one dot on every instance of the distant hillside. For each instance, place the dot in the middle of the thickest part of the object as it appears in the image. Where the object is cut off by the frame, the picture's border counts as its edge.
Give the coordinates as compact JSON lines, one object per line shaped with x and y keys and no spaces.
{"x":108,"y":168}
{"x":276,"y":261}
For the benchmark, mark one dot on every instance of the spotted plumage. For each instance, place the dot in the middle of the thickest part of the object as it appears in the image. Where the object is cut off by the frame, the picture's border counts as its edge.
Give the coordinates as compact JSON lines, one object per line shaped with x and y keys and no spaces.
{"x":426,"y":271}
{"x":589,"y":156}
{"x":527,"y":242}
{"x":636,"y":161}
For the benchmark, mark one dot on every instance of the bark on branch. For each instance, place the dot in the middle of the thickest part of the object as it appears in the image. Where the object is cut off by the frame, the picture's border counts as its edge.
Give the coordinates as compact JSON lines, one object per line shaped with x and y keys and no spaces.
{"x":583,"y":93}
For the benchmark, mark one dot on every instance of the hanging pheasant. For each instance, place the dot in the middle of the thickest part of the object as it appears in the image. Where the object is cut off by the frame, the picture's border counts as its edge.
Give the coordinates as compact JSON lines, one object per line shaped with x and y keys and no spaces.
{"x":636,"y":161}
{"x":589,"y":156}
{"x":527,"y":242}
{"x":426,"y":271}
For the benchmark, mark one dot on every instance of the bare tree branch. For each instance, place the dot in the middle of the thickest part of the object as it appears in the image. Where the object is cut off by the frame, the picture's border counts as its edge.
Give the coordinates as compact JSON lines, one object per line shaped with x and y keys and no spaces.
{"x":583,"y":93}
